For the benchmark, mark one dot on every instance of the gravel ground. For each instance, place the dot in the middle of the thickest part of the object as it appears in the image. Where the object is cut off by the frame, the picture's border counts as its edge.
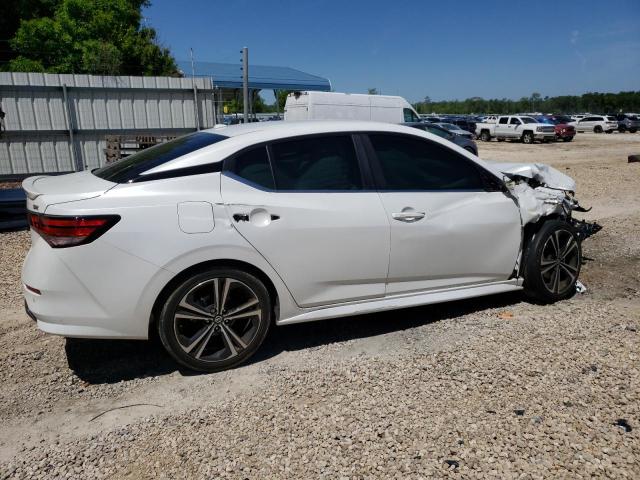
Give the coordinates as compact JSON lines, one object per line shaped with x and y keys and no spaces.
{"x":488,"y":388}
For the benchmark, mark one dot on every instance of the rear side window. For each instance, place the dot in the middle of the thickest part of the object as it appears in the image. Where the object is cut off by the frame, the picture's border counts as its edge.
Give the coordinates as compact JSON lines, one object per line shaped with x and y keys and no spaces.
{"x":408,"y":163}
{"x":253,"y":166}
{"x":316,"y":163}
{"x":131,"y":168}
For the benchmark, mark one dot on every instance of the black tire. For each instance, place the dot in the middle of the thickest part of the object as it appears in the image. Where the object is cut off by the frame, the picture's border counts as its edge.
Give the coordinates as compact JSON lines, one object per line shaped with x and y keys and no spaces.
{"x":527,"y":137}
{"x":228,"y":342}
{"x":609,"y":131}
{"x":622,"y":128}
{"x":567,"y":139}
{"x":501,"y":139}
{"x":548,"y":279}
{"x":597,"y":129}
{"x":633,"y":130}
{"x":485,"y":136}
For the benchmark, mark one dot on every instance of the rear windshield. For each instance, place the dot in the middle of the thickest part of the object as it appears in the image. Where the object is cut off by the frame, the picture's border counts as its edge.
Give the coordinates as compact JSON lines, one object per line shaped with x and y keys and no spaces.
{"x":130,"y":168}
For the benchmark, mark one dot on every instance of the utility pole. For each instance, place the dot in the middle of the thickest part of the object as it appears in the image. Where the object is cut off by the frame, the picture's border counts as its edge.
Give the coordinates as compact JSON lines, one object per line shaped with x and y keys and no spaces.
{"x":245,"y":82}
{"x":195,"y":91}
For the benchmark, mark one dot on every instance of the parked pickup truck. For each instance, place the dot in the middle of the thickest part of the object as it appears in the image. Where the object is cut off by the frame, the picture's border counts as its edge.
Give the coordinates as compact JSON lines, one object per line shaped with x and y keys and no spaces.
{"x":516,"y":127}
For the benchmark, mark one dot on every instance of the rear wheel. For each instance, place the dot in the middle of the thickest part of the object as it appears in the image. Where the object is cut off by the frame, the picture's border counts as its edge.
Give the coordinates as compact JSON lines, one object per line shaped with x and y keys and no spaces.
{"x":527,"y":137}
{"x":622,"y":128}
{"x":485,"y":136}
{"x":552,"y":262}
{"x":567,"y":139}
{"x":597,"y":129}
{"x":633,"y":130}
{"x":215,"y":320}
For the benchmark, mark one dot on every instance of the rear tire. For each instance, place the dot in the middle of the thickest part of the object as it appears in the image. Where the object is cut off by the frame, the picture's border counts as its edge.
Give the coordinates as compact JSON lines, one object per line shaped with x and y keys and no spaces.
{"x":215,"y":320}
{"x":552,"y":262}
{"x":622,"y":128}
{"x":633,"y":130}
{"x":527,"y":137}
{"x":597,"y":129}
{"x":567,"y":139}
{"x":485,"y":136}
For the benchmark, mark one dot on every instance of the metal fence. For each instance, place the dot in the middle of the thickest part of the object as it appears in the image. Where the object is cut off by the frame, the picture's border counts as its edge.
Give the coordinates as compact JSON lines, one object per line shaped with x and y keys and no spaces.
{"x":59,"y":123}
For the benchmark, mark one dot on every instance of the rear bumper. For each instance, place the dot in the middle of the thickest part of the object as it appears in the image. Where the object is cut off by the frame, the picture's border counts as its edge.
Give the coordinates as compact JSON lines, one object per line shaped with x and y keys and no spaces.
{"x":92,"y":291}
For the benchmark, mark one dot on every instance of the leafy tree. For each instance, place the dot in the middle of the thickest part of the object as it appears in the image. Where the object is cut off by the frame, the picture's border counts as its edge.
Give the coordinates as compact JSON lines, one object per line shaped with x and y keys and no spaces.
{"x":87,"y":36}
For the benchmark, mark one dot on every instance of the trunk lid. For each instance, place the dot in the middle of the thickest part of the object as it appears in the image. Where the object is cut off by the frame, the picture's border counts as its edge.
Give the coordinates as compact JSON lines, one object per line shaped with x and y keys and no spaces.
{"x":44,"y":191}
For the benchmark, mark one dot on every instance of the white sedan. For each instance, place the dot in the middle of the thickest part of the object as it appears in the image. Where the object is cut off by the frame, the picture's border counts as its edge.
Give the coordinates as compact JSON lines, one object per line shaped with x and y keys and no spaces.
{"x":211,"y":238}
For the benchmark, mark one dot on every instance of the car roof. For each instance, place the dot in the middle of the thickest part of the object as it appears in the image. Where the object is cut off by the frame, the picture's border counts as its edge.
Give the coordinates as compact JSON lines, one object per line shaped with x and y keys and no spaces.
{"x":246,"y":135}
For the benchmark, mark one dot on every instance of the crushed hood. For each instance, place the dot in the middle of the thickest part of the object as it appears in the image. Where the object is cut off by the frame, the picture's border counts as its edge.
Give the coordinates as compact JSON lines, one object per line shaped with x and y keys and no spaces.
{"x":541,"y":190}
{"x":539,"y":172}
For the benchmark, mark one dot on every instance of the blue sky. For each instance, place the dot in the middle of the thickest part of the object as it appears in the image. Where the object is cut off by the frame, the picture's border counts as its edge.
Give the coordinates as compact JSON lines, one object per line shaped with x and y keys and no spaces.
{"x":446,"y":50}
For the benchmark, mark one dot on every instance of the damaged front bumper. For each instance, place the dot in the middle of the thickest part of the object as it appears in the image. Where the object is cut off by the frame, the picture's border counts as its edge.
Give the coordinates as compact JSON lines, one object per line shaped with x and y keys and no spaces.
{"x":542,"y":191}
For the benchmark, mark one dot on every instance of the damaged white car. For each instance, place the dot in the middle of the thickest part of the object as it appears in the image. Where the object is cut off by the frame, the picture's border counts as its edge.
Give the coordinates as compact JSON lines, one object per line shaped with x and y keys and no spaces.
{"x":211,"y":238}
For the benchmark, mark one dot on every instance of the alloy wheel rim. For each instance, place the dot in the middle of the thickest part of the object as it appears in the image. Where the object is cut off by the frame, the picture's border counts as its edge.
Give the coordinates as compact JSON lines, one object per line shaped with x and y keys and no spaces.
{"x":559,"y":262}
{"x":217,"y":319}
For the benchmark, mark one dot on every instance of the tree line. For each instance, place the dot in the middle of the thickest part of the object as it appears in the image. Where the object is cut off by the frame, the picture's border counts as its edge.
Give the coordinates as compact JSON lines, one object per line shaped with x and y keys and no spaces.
{"x":607,"y":103}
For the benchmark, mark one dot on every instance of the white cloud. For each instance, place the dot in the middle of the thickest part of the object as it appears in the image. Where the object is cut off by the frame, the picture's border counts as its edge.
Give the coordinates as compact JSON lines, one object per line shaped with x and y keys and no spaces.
{"x":574,"y":37}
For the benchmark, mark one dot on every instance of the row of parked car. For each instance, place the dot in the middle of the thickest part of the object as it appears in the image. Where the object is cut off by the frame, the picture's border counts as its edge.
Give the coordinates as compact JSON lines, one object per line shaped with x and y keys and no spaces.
{"x":529,"y":128}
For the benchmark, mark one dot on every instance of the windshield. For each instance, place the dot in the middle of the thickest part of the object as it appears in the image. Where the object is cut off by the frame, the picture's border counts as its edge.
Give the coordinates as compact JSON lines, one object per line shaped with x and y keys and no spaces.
{"x":528,"y":120}
{"x":130,"y":168}
{"x":449,"y":126}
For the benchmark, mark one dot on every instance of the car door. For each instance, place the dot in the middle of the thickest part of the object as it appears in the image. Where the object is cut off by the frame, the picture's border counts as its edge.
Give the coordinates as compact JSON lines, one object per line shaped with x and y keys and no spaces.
{"x":452,"y":224}
{"x":502,"y":127}
{"x":303,"y":204}
{"x":515,"y":127}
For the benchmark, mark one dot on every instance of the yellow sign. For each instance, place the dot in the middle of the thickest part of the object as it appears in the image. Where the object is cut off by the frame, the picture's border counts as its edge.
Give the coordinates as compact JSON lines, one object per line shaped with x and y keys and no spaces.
{"x":226,"y":109}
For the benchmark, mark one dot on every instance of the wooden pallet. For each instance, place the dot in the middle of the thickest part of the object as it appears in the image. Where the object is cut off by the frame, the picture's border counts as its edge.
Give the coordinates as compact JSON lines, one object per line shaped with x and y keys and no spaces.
{"x":121,"y":146}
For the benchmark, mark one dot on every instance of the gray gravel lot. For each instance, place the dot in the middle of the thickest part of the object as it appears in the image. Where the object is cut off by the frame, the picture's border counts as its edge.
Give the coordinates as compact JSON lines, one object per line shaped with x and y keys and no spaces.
{"x":488,"y":388}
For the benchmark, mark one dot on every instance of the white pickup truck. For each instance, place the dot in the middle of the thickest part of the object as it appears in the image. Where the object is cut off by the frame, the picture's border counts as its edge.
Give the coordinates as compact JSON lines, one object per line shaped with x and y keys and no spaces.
{"x":516,"y":127}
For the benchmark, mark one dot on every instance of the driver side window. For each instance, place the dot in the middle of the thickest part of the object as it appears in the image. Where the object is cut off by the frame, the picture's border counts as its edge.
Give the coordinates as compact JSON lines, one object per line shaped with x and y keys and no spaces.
{"x":408,"y":163}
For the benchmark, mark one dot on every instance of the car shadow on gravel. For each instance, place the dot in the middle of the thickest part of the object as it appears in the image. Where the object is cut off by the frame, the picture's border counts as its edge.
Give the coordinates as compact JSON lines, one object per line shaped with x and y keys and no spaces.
{"x":308,"y":335}
{"x":112,"y":361}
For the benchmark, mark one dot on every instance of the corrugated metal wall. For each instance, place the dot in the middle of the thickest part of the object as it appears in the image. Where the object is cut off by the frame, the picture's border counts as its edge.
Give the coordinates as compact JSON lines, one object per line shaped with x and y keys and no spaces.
{"x":58,"y":123}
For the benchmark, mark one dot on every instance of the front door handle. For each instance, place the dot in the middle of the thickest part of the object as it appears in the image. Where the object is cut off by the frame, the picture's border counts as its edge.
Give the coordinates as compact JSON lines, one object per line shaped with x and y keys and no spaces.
{"x":408,"y":216}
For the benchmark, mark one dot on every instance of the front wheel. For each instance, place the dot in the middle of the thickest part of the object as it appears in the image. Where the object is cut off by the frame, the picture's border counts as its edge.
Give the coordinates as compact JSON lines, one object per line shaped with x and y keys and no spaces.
{"x":485,"y":136}
{"x":527,"y":137}
{"x":552,"y":262}
{"x":215,"y":320}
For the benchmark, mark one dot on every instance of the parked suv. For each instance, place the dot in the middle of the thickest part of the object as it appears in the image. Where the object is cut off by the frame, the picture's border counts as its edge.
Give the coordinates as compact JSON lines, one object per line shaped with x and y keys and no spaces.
{"x":596,"y":124}
{"x":628,"y":123}
{"x":563,"y":130}
{"x":465,"y":142}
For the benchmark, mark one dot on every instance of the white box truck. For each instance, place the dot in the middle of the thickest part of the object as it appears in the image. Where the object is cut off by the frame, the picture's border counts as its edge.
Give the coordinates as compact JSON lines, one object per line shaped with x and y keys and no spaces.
{"x":348,"y":106}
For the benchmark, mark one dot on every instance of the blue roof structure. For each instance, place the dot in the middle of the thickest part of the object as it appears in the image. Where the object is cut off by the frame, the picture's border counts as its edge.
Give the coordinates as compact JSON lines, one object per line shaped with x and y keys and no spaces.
{"x":261,"y":77}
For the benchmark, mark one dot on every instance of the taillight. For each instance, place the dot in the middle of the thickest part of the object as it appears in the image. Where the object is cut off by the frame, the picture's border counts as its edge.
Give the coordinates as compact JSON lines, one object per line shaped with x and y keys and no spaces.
{"x":62,"y":232}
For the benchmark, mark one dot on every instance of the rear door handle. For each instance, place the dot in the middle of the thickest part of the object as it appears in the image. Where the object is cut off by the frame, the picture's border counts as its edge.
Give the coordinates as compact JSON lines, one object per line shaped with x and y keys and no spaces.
{"x":408,"y":216}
